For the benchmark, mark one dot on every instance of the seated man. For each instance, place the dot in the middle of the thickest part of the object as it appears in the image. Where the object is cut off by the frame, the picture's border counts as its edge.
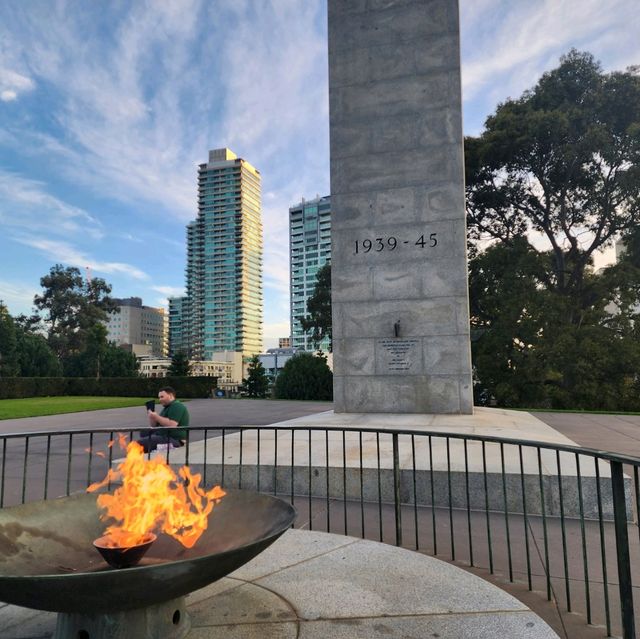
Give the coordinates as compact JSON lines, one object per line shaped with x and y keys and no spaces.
{"x":170,"y":426}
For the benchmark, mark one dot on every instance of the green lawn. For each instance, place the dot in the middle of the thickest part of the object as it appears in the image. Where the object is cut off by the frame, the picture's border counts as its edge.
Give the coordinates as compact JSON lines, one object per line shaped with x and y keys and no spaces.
{"x":38,"y":406}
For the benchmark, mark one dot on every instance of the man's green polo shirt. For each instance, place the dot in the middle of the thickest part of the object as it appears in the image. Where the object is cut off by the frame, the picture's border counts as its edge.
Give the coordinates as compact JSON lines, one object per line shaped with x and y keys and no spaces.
{"x":177,"y":412}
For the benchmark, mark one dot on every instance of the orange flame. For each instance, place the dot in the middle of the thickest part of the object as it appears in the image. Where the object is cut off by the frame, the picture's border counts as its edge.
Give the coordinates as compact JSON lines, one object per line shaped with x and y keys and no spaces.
{"x":152,"y":496}
{"x":99,"y":453}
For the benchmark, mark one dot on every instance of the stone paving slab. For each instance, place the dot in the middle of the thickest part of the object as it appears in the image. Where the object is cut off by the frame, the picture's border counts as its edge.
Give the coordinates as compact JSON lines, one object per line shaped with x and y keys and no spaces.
{"x":523,"y":625}
{"x":370,"y":579}
{"x":333,"y":586}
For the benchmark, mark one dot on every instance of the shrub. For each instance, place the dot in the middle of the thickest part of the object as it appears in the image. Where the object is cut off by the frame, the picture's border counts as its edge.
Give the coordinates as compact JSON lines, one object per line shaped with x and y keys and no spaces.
{"x":305,"y":376}
{"x":187,"y":387}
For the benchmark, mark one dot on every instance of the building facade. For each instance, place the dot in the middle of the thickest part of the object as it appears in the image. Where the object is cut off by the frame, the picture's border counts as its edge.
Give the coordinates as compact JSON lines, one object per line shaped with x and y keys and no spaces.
{"x":154,"y":366}
{"x":137,"y":325}
{"x":178,"y":325}
{"x":274,"y":360}
{"x":309,"y":250}
{"x":227,"y":367}
{"x":222,"y":310}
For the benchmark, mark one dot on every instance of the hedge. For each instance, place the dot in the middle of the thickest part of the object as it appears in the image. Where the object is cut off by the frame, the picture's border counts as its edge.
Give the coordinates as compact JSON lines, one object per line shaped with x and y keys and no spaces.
{"x":21,"y":387}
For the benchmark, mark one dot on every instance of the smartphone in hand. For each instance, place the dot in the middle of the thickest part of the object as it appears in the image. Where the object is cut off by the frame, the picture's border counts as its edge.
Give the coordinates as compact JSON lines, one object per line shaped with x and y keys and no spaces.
{"x":150,"y":405}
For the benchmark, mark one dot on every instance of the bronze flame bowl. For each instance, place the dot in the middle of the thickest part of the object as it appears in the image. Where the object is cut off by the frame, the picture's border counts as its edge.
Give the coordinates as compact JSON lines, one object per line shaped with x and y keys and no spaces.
{"x":48,"y":561}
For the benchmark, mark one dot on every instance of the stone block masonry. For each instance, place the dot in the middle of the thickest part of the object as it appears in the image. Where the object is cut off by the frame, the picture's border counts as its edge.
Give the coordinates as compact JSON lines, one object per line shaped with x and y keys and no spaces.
{"x":399,"y":259}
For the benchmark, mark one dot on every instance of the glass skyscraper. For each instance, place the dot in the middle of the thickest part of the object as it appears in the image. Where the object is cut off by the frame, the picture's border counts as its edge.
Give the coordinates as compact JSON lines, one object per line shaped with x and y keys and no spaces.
{"x":309,"y":250}
{"x":222,"y":310}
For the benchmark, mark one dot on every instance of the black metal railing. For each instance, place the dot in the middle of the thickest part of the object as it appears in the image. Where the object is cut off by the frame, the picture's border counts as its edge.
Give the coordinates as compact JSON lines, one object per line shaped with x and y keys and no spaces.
{"x":560,"y":519}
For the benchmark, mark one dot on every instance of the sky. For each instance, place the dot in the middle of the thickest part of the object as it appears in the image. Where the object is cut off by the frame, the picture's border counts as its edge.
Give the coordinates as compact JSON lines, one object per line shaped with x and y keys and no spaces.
{"x":107,"y":108}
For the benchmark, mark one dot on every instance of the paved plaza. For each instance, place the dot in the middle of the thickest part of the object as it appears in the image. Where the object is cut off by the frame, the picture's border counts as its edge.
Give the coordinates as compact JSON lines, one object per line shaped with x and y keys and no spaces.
{"x":620,"y":433}
{"x":314,"y":586}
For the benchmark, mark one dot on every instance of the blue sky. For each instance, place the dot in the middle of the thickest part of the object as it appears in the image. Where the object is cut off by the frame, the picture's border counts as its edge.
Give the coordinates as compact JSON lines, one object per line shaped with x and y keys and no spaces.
{"x":107,"y":108}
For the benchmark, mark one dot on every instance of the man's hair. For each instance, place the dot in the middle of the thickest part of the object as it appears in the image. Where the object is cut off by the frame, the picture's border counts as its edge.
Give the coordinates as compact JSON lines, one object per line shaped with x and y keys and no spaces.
{"x":168,"y":389}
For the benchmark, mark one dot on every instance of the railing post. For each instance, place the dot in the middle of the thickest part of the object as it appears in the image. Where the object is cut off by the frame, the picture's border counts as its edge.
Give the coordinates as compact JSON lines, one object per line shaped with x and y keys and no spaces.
{"x":622,"y":550}
{"x":396,"y":489}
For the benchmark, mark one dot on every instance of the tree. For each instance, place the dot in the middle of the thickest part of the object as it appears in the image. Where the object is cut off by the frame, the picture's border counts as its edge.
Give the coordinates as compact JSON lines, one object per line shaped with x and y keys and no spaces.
{"x":319,"y":308}
{"x":72,"y":307}
{"x":180,"y":366}
{"x":561,"y":166}
{"x":116,"y":362}
{"x":8,"y":355}
{"x":305,"y":376}
{"x":35,"y":357}
{"x":257,"y":382}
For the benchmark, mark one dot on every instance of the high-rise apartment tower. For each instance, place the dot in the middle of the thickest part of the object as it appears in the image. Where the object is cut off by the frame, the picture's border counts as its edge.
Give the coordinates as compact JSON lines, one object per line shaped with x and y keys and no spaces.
{"x":223,"y":307}
{"x":309,"y":250}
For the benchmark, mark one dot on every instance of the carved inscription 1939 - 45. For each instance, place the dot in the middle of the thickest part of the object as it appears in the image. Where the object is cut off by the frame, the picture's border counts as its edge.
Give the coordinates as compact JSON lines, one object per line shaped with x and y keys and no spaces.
{"x":391,"y":243}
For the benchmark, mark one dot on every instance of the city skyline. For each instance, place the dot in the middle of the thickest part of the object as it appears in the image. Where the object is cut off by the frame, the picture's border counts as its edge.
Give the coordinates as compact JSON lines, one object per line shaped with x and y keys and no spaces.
{"x":106,"y":112}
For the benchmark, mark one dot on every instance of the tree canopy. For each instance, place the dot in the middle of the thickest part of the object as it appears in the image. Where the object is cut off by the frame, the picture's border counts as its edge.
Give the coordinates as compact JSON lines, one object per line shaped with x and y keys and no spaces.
{"x":318,"y":321}
{"x":68,"y":336}
{"x":257,"y":382}
{"x":72,"y":306}
{"x":562,"y":163}
{"x":305,"y":376}
{"x":8,"y":355}
{"x":554,"y":178}
{"x":180,"y":365}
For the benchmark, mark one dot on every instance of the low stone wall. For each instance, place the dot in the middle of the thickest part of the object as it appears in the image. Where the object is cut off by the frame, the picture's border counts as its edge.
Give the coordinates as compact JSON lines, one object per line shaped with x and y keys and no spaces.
{"x":436,"y":487}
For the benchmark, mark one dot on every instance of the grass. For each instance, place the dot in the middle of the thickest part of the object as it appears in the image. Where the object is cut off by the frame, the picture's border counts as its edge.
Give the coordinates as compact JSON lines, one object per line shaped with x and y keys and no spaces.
{"x":40,"y":406}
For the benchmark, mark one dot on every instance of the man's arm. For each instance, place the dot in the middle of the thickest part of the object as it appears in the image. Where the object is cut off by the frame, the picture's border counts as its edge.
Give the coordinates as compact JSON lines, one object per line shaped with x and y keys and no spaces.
{"x":156,"y":420}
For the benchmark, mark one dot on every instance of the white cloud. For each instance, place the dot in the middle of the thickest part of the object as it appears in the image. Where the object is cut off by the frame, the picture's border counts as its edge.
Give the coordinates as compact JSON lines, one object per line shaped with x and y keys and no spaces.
{"x":17,"y":296}
{"x":508,"y":46}
{"x":25,"y":204}
{"x":13,"y":83}
{"x":67,"y":254}
{"x":276,"y":329}
{"x":273,"y":331}
{"x":124,"y":105}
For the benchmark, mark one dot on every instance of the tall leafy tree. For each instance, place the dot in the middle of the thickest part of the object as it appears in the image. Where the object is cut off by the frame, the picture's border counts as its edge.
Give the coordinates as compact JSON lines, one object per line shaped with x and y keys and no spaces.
{"x":71,"y":307}
{"x":89,"y":361}
{"x":35,"y":357}
{"x":257,"y":382}
{"x":318,"y":320}
{"x":180,"y":365}
{"x":9,"y":366}
{"x":555,"y":177}
{"x":561,"y":164}
{"x":116,"y":362}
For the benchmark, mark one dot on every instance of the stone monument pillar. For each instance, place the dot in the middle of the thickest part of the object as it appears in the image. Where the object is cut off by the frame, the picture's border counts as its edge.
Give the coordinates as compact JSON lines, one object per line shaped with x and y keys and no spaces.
{"x":399,"y":262}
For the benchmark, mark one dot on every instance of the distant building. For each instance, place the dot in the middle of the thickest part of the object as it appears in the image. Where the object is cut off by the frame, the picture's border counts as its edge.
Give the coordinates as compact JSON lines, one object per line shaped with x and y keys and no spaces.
{"x":620,"y":249}
{"x":178,"y":325}
{"x":284,"y":342}
{"x":227,"y":367}
{"x":309,"y":250}
{"x":154,"y":366}
{"x":222,"y":310}
{"x":274,"y":360}
{"x":136,"y":325}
